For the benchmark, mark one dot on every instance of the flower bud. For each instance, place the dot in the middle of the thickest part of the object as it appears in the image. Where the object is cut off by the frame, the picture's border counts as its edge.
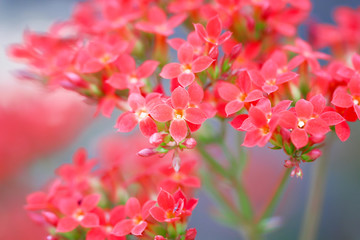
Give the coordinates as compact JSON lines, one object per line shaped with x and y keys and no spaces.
{"x":214,"y":52}
{"x":156,"y":139}
{"x":288,"y":164}
{"x":190,"y":234}
{"x":315,"y":154}
{"x":190,"y":143}
{"x":176,"y":162}
{"x":146,"y":152}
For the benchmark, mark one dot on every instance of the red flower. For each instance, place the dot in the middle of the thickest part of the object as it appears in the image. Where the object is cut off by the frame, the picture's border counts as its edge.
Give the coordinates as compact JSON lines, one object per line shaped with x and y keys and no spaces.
{"x":269,"y":79}
{"x":342,"y":99}
{"x":185,"y":70}
{"x":157,"y":22}
{"x":302,"y":123}
{"x":304,"y":49}
{"x":99,"y":53}
{"x":140,"y":108}
{"x":261,"y":122}
{"x":239,"y":94}
{"x":348,"y":72}
{"x":212,"y":34}
{"x":172,"y":208}
{"x":179,"y":113}
{"x":129,"y":77}
{"x":78,"y":212}
{"x":136,"y":224}
{"x":108,"y":221}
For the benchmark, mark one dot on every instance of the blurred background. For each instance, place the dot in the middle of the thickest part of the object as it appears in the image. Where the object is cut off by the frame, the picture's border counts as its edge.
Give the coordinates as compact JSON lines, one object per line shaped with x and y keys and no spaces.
{"x":37,"y":136}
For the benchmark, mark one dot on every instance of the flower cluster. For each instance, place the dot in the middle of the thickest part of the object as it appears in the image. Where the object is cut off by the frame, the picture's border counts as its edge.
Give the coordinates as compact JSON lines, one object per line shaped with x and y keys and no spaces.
{"x":112,"y":202}
{"x":242,"y":62}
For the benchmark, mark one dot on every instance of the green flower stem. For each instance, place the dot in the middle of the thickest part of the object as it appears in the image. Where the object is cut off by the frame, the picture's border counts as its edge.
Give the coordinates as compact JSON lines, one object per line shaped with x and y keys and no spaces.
{"x":274,"y":200}
{"x":312,"y":216}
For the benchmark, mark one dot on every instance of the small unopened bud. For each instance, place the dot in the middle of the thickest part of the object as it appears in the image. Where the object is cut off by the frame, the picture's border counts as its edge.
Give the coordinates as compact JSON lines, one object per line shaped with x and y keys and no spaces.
{"x":288,"y":164}
{"x":156,"y":139}
{"x":214,"y":52}
{"x":235,"y":51}
{"x":190,"y":143}
{"x":176,"y":162}
{"x":190,"y":234}
{"x":159,"y":237}
{"x":315,"y":154}
{"x":297,"y":172}
{"x":146,"y":152}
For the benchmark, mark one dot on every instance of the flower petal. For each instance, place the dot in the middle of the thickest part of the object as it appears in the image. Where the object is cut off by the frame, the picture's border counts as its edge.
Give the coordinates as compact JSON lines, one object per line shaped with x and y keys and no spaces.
{"x":195,"y":115}
{"x":126,"y":122}
{"x":228,"y":91}
{"x":233,"y":106}
{"x":304,"y":109}
{"x":90,"y":220}
{"x":132,"y":207}
{"x":162,"y":113}
{"x":158,"y":214}
{"x":185,"y":79}
{"x":123,"y":228}
{"x":66,"y":224}
{"x":299,"y":138}
{"x":171,"y":70}
{"x":178,"y":130}
{"x":180,"y":98}
{"x":186,"y":53}
{"x":139,"y":228}
{"x":201,"y":63}
{"x":147,"y":126}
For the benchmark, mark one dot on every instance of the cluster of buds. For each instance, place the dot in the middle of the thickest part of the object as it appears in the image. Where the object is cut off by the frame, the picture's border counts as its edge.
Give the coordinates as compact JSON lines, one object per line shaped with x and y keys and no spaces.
{"x":247,"y":67}
{"x":110,"y":203}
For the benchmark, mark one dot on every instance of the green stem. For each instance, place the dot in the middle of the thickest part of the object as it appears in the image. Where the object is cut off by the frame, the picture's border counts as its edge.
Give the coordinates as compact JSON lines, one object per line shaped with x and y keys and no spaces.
{"x":312,"y":216}
{"x":274,"y":201}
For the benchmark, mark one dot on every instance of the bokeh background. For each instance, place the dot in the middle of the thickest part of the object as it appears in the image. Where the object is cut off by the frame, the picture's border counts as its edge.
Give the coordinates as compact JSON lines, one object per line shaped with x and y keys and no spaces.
{"x":39,"y":131}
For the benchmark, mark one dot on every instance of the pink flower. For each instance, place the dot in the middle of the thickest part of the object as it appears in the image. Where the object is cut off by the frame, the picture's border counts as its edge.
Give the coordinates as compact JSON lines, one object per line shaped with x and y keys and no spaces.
{"x":129,"y":77}
{"x":302,"y":123}
{"x":137,"y":222}
{"x":212,"y":34}
{"x":342,"y":99}
{"x":172,"y":208}
{"x":179,"y":113}
{"x":304,"y":50}
{"x":185,"y":70}
{"x":78,"y":212}
{"x":238,"y":94}
{"x":268,"y":78}
{"x":139,"y":113}
{"x":157,"y":22}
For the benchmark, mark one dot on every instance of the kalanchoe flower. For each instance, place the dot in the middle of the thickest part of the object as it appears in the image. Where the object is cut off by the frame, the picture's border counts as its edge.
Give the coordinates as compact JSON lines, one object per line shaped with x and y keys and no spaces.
{"x":157,"y":22}
{"x":140,"y":108}
{"x":268,"y":78}
{"x":137,"y":222}
{"x":238,"y":94}
{"x":304,"y":50}
{"x":343,"y":99}
{"x":78,"y":213}
{"x":129,"y":76}
{"x":179,"y":113}
{"x":302,"y":123}
{"x":212,"y":33}
{"x":107,"y":224}
{"x":172,"y":208}
{"x":99,"y":53}
{"x":185,"y":70}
